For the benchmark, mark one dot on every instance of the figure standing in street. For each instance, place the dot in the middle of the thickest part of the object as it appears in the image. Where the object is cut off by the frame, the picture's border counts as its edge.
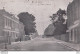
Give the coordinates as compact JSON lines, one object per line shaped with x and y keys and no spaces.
{"x":20,"y":39}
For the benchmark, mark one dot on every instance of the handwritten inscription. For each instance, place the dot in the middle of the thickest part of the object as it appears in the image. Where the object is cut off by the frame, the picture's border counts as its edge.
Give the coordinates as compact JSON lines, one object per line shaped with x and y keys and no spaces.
{"x":39,"y":2}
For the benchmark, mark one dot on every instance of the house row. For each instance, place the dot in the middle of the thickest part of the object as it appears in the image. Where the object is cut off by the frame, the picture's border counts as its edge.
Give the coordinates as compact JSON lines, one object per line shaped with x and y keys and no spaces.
{"x":73,"y":22}
{"x":11,"y":29}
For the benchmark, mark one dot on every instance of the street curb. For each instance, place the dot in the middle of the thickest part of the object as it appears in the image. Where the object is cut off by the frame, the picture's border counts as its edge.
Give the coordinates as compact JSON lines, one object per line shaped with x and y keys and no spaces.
{"x":69,"y":47}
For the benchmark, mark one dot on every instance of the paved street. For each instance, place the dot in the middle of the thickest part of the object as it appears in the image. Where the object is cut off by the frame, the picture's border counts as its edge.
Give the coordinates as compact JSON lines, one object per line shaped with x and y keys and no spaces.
{"x":39,"y":44}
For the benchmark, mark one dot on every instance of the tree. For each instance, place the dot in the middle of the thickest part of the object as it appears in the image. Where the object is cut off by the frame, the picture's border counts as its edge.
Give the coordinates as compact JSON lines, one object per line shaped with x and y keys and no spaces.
{"x":49,"y":30}
{"x":28,"y":21}
{"x":58,"y":21}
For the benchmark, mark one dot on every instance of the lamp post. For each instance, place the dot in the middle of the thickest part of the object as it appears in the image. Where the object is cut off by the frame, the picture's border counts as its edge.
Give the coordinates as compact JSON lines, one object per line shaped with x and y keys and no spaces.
{"x":5,"y":42}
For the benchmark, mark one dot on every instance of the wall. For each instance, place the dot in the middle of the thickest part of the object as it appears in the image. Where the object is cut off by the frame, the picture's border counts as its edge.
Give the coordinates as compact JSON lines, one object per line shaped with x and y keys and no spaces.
{"x":73,"y":11}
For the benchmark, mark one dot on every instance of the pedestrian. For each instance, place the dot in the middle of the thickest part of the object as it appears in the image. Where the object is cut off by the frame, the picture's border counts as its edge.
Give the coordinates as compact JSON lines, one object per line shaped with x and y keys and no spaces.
{"x":20,"y":39}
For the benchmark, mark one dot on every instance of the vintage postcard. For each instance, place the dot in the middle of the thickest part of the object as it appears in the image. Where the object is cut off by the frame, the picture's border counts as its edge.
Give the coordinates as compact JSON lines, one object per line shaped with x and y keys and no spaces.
{"x":39,"y":25}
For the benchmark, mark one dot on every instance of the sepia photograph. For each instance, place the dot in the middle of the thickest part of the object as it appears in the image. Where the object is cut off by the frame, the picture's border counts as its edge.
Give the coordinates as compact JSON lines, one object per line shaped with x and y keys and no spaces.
{"x":39,"y":25}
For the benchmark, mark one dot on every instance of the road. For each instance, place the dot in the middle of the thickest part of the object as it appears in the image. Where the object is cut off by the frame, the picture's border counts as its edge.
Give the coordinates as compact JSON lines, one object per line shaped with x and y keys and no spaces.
{"x":39,"y":44}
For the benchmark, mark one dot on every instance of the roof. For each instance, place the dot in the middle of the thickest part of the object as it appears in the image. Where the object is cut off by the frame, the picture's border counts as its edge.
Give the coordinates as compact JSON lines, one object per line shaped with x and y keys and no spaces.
{"x":4,"y":12}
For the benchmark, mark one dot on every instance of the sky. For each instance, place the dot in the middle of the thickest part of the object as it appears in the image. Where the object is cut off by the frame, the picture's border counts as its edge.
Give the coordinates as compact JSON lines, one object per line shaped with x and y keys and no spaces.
{"x":41,"y":9}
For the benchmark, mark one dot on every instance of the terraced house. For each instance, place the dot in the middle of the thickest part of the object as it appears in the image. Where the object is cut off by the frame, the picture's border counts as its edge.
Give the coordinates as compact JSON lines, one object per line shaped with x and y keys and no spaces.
{"x":73,"y":22}
{"x":9,"y":27}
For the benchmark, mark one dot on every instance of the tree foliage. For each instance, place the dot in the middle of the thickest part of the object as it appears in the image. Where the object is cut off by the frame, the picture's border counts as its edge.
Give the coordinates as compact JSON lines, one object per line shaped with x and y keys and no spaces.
{"x":59,"y":14}
{"x":58,"y":21}
{"x":28,"y":21}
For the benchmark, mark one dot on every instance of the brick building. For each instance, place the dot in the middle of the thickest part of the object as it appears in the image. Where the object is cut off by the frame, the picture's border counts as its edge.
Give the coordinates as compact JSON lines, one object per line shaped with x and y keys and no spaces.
{"x":9,"y":27}
{"x":73,"y":22}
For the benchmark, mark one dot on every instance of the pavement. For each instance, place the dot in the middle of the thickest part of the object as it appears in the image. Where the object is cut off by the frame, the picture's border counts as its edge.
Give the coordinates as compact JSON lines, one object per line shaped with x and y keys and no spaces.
{"x":74,"y":46}
{"x":39,"y":44}
{"x":2,"y":46}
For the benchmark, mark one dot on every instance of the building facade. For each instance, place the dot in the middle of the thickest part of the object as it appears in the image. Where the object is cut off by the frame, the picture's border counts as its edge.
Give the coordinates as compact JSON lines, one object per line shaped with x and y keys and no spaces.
{"x":9,"y":27}
{"x":73,"y":21}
